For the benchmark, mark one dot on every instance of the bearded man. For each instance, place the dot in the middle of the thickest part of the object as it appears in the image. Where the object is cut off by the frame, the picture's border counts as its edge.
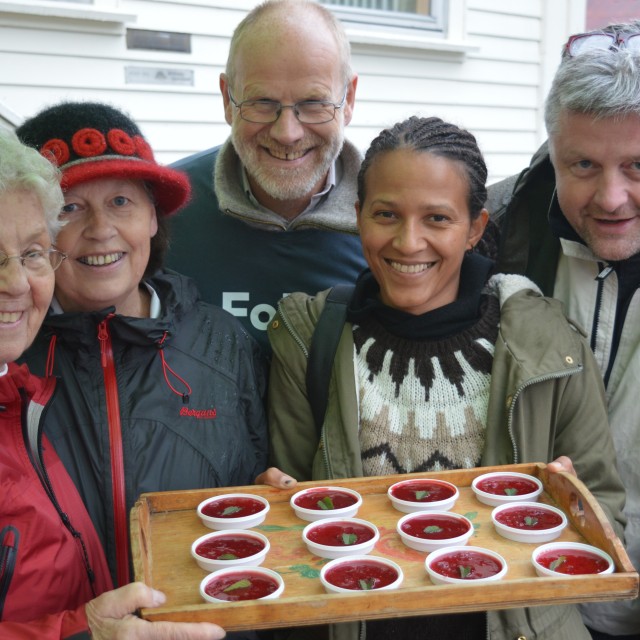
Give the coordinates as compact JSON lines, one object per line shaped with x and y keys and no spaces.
{"x":273,"y":207}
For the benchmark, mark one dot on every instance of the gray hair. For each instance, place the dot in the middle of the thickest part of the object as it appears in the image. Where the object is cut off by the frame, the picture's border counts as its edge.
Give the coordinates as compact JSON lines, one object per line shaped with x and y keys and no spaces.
{"x":602,"y":83}
{"x":273,"y":8}
{"x":23,"y":168}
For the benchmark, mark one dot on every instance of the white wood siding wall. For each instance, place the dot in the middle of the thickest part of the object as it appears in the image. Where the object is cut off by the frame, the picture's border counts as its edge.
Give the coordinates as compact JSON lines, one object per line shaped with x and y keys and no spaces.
{"x":494,"y":85}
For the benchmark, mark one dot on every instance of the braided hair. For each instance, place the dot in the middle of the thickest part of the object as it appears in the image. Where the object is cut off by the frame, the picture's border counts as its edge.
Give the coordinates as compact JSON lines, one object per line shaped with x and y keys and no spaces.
{"x":433,"y":135}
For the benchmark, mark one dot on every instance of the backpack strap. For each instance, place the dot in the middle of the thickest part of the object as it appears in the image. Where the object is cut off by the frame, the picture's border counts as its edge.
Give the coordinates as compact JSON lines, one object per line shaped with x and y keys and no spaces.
{"x":324,"y":343}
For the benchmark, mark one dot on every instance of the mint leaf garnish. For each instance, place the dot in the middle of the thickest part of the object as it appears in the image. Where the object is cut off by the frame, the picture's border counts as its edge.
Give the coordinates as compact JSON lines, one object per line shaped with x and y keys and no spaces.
{"x":464,"y":571}
{"x":510,"y":491}
{"x":366,"y":585}
{"x":421,"y":495}
{"x":530,"y":521}
{"x":241,"y":584}
{"x":432,"y":529}
{"x":557,"y":562}
{"x":349,"y":538}
{"x":326,"y":503}
{"x":229,"y":510}
{"x":227,"y":556}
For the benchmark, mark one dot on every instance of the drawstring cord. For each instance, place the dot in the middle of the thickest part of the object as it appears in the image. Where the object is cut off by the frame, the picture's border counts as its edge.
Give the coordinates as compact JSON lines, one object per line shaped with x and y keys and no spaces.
{"x":48,"y":371}
{"x":166,"y":369}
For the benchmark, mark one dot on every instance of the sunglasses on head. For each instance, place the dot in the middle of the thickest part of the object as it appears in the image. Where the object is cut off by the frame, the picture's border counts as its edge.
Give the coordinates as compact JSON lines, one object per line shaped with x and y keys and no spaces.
{"x":600,"y":40}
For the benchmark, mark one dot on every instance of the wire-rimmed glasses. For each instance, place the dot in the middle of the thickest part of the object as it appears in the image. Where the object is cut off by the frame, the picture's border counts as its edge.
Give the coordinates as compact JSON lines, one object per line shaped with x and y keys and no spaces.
{"x":306,"y":111}
{"x":36,"y":260}
{"x":600,"y":40}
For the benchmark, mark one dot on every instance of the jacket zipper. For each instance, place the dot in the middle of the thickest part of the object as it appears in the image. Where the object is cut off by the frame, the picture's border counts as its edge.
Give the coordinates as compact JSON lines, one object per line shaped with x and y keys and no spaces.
{"x":528,"y":383}
{"x":32,"y":421}
{"x":116,"y":454}
{"x":596,"y":311}
{"x":9,"y":542}
{"x":293,"y":334}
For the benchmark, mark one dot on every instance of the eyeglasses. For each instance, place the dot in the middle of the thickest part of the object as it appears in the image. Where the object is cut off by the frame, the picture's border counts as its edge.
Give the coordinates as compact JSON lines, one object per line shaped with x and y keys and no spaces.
{"x":599,"y":40}
{"x":36,"y":261}
{"x":307,"y":111}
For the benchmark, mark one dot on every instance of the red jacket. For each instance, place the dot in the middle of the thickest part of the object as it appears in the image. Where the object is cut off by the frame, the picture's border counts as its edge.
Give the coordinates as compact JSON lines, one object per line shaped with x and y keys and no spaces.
{"x":51,"y":560}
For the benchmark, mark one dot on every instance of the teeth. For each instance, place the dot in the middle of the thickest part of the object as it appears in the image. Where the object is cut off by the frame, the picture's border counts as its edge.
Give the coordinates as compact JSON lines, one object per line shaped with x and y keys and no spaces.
{"x":291,"y":155}
{"x":98,"y":261}
{"x":411,"y":268}
{"x":10,"y":316}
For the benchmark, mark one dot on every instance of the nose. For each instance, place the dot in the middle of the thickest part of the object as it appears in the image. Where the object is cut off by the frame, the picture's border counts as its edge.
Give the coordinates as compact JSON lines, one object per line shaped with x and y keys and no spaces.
{"x":287,"y":129}
{"x":611,"y":192}
{"x":99,"y":226}
{"x":14,"y":279}
{"x":411,"y":238}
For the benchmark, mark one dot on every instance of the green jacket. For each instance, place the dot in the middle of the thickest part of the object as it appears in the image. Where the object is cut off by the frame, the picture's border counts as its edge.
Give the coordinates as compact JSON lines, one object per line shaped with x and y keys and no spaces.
{"x":546,"y":400}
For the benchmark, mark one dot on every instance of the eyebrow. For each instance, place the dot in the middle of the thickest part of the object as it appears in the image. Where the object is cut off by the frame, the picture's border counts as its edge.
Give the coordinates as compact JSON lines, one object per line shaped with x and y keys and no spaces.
{"x":328,"y":95}
{"x":38,"y":233}
{"x":426,"y":208}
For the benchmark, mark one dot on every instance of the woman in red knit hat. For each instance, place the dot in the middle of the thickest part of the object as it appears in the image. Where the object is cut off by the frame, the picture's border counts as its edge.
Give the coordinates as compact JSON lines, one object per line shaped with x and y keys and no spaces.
{"x":161,"y":391}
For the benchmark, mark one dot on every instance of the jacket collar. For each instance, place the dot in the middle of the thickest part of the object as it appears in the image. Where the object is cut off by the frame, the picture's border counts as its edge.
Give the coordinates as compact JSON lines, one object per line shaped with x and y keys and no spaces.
{"x":17,"y":379}
{"x":177,"y":295}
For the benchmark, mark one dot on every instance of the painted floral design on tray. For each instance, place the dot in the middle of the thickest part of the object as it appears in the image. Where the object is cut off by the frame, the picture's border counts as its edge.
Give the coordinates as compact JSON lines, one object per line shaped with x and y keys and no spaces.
{"x":305,"y":570}
{"x":472,"y":515}
{"x":275,"y":528}
{"x":283,"y":546}
{"x":392,"y":546}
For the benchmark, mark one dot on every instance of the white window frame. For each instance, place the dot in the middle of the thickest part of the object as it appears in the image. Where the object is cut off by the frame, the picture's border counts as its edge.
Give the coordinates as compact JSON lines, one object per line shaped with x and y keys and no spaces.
{"x":442,"y":32}
{"x":434,"y":23}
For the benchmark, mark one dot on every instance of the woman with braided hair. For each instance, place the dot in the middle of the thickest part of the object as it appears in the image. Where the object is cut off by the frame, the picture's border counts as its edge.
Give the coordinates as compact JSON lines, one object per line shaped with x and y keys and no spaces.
{"x":441,"y":363}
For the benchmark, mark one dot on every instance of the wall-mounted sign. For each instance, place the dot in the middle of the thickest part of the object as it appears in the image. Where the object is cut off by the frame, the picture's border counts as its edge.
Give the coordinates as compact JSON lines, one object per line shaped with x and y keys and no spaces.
{"x":158,"y":40}
{"x":155,"y":75}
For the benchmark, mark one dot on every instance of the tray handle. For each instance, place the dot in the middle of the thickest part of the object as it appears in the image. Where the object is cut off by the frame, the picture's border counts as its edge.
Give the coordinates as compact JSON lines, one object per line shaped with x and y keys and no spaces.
{"x":586,"y":514}
{"x":140,"y":522}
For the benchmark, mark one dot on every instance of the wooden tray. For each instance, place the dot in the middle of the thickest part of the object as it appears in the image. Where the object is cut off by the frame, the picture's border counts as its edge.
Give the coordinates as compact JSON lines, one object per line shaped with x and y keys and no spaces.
{"x":164,"y":525}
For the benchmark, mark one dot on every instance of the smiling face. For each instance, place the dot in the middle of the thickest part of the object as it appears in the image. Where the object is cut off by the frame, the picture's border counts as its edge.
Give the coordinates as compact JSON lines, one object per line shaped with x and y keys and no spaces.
{"x":597,"y":167}
{"x":107,"y":236}
{"x":289,"y":61}
{"x":24,"y":295}
{"x":415,"y":227}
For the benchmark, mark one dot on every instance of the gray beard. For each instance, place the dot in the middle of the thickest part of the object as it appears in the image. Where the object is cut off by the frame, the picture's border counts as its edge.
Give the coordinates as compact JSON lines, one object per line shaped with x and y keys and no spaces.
{"x":287,"y":184}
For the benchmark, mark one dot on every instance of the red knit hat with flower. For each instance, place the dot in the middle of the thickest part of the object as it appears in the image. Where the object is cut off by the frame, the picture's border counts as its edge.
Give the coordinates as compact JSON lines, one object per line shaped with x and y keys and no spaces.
{"x":91,"y":140}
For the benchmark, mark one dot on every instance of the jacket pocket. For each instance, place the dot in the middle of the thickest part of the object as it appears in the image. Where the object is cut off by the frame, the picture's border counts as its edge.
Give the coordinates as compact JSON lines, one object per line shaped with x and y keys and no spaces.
{"x":9,"y":542}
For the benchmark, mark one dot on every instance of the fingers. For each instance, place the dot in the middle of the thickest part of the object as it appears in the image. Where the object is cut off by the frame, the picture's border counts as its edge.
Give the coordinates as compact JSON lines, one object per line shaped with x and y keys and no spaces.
{"x":110,"y":617}
{"x":175,"y":631}
{"x":562,"y":463}
{"x":111,"y":614}
{"x":125,"y":600}
{"x":276,"y":478}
